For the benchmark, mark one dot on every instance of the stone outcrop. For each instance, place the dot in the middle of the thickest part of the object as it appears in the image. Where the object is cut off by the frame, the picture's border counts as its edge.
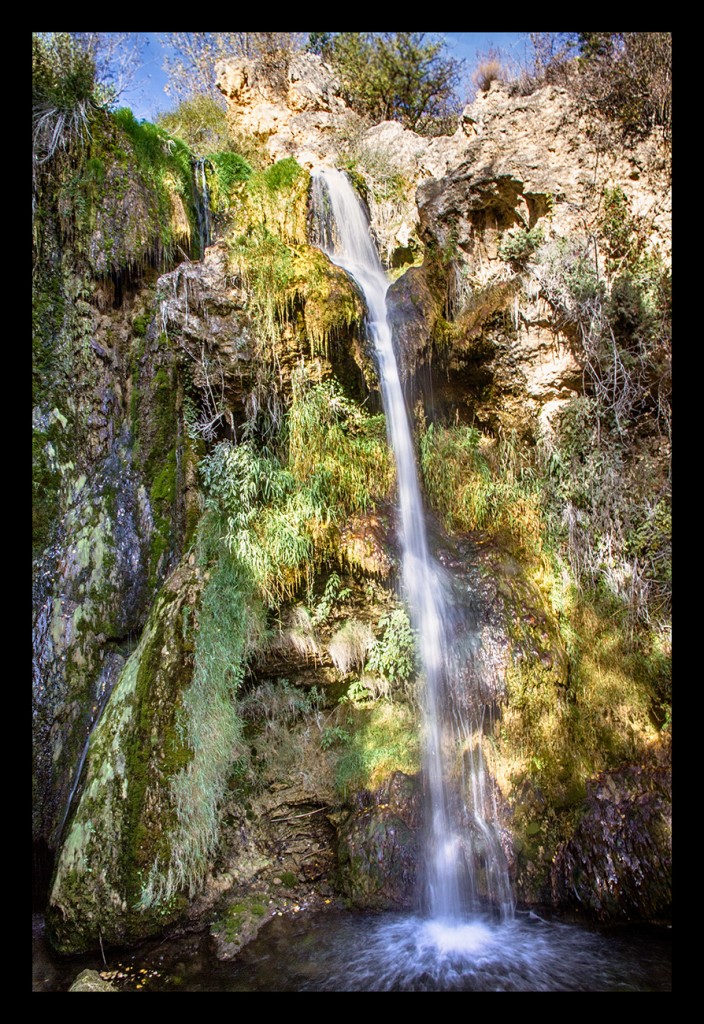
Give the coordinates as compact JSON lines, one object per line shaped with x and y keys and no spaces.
{"x":531,"y":165}
{"x":293,"y":106}
{"x":534,"y":159}
{"x":379,"y":846}
{"x":90,"y":981}
{"x":618,"y":864}
{"x":514,"y":162}
{"x":125,"y":816}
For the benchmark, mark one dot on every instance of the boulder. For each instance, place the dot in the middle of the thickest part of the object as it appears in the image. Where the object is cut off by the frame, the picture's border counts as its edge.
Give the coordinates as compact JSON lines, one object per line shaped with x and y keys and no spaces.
{"x":90,"y":981}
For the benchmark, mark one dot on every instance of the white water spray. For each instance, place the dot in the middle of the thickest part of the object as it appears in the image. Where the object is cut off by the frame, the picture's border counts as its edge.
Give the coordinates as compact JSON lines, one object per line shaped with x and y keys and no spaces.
{"x":451,"y":867}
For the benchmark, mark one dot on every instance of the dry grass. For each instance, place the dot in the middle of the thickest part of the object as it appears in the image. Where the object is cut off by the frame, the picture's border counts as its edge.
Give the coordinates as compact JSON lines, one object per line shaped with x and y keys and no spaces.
{"x":350,"y":645}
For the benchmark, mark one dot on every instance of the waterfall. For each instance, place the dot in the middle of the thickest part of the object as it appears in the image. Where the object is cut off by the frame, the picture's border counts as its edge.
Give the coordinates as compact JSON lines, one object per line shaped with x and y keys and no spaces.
{"x":203,"y":215}
{"x":112,"y":667}
{"x":463,"y":856}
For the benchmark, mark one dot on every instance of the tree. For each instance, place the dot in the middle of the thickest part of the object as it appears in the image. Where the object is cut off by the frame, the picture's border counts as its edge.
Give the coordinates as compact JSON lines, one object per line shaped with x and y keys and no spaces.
{"x":118,"y":56}
{"x":397,"y":76}
{"x":201,"y":122}
{"x":628,"y":76}
{"x":191,"y":62}
{"x":625,"y":77}
{"x":320,"y":43}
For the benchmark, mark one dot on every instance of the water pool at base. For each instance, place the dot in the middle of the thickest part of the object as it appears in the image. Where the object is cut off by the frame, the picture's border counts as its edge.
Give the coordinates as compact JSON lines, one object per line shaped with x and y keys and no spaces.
{"x":344,"y":951}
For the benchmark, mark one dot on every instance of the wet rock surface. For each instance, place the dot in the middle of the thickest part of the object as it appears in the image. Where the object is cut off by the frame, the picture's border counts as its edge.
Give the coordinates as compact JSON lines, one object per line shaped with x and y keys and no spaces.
{"x":90,"y":981}
{"x":379,"y":845}
{"x":618,"y":864}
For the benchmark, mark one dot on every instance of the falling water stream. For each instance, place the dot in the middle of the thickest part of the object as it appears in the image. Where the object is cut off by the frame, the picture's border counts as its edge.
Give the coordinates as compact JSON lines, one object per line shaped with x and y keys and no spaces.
{"x":202,"y":204}
{"x":463,"y":857}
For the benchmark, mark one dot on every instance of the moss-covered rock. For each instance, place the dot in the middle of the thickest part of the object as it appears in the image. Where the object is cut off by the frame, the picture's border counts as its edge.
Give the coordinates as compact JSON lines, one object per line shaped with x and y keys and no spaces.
{"x":238,"y":923}
{"x":379,"y":845}
{"x":90,"y":981}
{"x":90,"y":597}
{"x":125,"y":814}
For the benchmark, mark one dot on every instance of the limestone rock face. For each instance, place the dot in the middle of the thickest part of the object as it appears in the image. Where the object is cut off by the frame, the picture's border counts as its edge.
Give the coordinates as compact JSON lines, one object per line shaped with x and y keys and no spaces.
{"x":532,"y":164}
{"x":514,"y":163}
{"x":534,"y":156}
{"x":293,"y":107}
{"x":203,"y":309}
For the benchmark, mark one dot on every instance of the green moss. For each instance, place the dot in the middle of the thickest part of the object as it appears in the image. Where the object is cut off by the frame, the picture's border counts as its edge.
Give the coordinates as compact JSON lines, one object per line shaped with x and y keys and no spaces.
{"x":140,"y":324}
{"x":239,"y":921}
{"x":46,"y":482}
{"x":125,"y":820}
{"x":475,"y":483}
{"x":224,"y":173}
{"x":329,"y":303}
{"x":383,"y":739}
{"x":48,"y":313}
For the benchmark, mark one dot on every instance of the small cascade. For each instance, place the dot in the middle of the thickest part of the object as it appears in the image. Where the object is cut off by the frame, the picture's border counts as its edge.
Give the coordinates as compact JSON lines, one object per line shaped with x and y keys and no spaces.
{"x":203,"y":213}
{"x":106,"y":681}
{"x":464,"y":859}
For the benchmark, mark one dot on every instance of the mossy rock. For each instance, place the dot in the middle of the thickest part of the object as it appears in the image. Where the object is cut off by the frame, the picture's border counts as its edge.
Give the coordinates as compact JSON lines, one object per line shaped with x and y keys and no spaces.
{"x":123,"y":822}
{"x":380,"y":844}
{"x":90,"y":981}
{"x":617,"y":866}
{"x":238,"y":923}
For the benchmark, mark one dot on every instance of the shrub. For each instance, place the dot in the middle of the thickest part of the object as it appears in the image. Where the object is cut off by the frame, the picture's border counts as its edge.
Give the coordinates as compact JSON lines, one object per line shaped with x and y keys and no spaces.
{"x":278,"y":520}
{"x":394,"y":655}
{"x":490,"y":69}
{"x":230,"y":626}
{"x":200,"y":122}
{"x":624,"y":77}
{"x":336,"y":449}
{"x":519,"y":244}
{"x":63,"y":93}
{"x":225,"y":171}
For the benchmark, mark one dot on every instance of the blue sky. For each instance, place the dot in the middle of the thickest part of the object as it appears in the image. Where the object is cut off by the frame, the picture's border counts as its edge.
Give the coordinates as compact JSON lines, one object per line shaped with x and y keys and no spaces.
{"x":147,"y":97}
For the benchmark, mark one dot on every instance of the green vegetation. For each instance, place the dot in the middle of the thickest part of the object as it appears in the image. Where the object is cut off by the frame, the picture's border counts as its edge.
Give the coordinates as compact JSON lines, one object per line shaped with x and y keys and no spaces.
{"x":519,"y":244}
{"x":293,"y":287}
{"x":279,"y":519}
{"x":64,"y":94}
{"x":383,"y":739}
{"x":401,"y":76}
{"x":476,"y":483}
{"x":608,"y":499}
{"x":393,"y":656}
{"x":224,"y":172}
{"x":123,"y":190}
{"x":200,"y":123}
{"x":587,"y":510}
{"x":336,"y":448}
{"x":229,"y":628}
{"x":267,"y":525}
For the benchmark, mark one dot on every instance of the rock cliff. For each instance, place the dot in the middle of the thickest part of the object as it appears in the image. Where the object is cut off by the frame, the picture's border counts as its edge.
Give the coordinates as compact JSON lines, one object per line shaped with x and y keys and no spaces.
{"x":215,"y":553}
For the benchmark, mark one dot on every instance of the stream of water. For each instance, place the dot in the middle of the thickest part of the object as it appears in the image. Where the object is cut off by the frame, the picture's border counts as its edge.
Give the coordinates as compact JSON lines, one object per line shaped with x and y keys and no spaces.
{"x":464,"y":860}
